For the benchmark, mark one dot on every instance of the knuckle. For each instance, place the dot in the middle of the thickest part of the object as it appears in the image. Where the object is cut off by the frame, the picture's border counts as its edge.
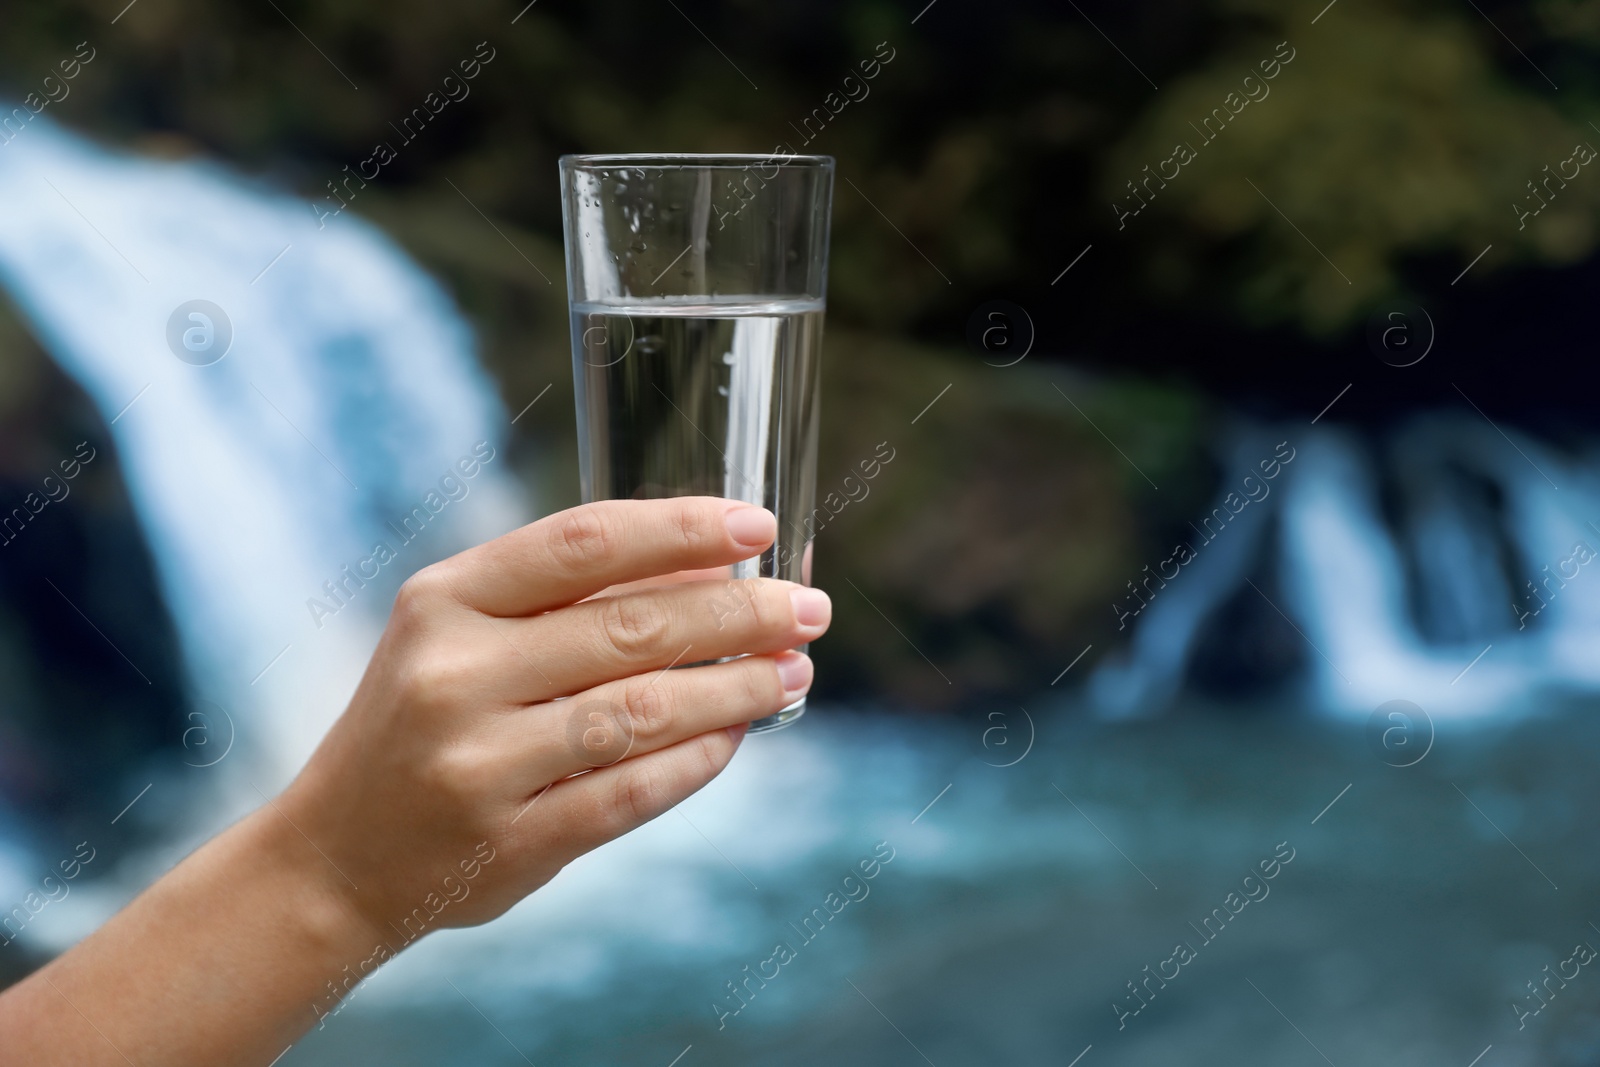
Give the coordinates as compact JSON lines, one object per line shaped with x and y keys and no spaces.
{"x":586,"y":536}
{"x":647,"y":709}
{"x":694,"y":527}
{"x":433,"y":683}
{"x":451,"y":778}
{"x":635,"y":626}
{"x":599,"y":733}
{"x":770,"y":608}
{"x":759,"y":679}
{"x":649,"y":788}
{"x":641,"y":794}
{"x":745,"y":602}
{"x":422,"y":594}
{"x":713,"y":751}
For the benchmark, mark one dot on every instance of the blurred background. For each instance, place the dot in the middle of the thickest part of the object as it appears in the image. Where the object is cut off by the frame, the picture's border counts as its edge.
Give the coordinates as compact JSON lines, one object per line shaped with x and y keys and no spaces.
{"x":1245,"y":478}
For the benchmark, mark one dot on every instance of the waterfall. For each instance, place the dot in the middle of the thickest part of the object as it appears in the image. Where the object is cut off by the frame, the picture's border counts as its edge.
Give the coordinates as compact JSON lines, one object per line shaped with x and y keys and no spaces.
{"x":347,"y":391}
{"x":1448,"y":565}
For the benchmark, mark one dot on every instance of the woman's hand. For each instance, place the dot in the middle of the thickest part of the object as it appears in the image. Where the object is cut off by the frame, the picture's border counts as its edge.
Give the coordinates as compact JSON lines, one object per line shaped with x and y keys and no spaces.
{"x":511,"y":721}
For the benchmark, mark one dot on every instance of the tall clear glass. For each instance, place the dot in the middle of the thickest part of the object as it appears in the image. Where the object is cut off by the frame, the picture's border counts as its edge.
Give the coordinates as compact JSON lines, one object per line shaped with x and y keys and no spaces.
{"x":697,"y":285}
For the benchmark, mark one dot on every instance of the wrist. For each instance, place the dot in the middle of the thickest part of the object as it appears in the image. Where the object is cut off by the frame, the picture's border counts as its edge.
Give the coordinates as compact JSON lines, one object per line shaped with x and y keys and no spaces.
{"x":327,"y":943}
{"x":322,"y":906}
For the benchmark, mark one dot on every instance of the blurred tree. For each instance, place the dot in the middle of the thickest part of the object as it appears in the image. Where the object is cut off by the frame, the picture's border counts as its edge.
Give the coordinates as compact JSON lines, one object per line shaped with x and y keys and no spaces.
{"x":989,"y":142}
{"x":1392,"y":133}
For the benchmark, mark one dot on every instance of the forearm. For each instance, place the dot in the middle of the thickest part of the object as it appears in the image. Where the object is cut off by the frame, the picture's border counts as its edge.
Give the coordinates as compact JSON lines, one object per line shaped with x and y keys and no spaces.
{"x":225,"y":960}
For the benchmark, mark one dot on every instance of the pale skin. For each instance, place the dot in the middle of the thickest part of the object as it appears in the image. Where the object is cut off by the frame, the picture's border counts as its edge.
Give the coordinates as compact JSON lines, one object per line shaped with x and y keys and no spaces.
{"x":456,"y":746}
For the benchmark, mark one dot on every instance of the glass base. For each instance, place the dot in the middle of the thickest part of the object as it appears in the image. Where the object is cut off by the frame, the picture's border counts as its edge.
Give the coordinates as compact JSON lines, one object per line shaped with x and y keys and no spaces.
{"x":781,"y":719}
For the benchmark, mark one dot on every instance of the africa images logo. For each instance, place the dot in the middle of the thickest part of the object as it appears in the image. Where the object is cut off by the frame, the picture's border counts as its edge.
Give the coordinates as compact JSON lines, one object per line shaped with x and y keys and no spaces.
{"x":199,"y":332}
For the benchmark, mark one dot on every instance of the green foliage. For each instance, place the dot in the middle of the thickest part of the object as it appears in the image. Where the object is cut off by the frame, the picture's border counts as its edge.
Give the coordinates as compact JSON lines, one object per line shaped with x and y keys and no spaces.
{"x":1392,"y":134}
{"x":1398,"y":131}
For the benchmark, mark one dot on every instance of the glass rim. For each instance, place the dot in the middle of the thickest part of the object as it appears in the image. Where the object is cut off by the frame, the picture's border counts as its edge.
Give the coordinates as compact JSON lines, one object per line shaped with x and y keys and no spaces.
{"x":695,"y":160}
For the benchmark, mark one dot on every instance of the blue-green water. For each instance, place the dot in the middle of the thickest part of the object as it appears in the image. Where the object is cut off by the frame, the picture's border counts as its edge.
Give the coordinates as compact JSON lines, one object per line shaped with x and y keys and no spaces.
{"x":1017,"y":907}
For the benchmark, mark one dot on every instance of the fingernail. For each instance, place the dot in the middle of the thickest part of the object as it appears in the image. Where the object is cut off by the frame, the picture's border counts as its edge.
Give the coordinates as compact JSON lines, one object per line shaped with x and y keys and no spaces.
{"x":736,"y":731}
{"x":811,"y":606}
{"x":752,"y":526}
{"x":794,"y":672}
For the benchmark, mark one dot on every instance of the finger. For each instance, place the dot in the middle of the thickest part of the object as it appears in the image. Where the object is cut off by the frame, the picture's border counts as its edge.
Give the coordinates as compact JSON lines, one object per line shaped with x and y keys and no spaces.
{"x":578,"y":815}
{"x":565,"y":557}
{"x":625,"y":719}
{"x":598,"y":640}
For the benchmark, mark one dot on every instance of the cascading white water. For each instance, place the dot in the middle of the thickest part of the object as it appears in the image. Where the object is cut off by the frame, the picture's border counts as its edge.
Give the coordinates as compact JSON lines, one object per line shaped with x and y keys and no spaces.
{"x":348,"y":391}
{"x":1359,"y":584}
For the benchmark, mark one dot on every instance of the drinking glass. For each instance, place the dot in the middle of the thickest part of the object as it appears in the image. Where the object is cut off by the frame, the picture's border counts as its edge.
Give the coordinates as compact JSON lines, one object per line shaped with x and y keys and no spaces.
{"x":696,"y":285}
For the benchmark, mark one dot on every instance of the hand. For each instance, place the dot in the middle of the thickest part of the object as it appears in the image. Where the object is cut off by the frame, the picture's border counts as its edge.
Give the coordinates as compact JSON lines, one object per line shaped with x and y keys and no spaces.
{"x":510,"y":720}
